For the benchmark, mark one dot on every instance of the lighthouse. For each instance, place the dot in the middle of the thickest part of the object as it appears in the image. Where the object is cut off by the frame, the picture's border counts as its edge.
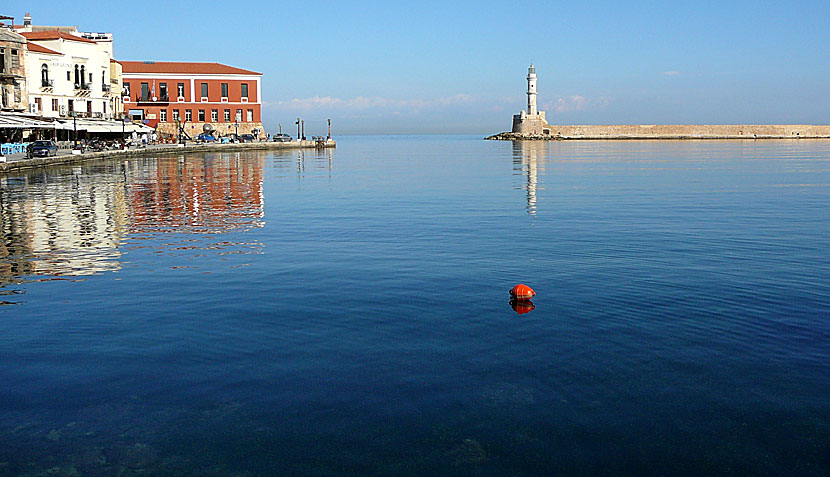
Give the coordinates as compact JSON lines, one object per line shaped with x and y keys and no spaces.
{"x":531,"y":91}
{"x":531,"y":122}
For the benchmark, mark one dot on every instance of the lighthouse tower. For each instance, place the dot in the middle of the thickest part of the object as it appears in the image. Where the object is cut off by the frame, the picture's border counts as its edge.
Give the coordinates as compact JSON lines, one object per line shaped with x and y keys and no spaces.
{"x":531,"y":122}
{"x":531,"y":91}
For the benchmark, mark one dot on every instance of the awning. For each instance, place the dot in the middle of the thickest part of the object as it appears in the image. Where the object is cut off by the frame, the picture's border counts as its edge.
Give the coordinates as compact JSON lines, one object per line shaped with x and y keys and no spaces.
{"x":103,"y":126}
{"x":15,"y":121}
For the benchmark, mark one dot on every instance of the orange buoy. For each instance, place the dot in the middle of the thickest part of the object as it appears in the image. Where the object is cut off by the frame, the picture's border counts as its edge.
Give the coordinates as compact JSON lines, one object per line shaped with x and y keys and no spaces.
{"x":522,"y":292}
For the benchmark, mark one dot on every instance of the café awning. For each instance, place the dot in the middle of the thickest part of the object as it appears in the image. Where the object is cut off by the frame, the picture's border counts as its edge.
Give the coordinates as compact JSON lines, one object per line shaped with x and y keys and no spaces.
{"x":16,"y":121}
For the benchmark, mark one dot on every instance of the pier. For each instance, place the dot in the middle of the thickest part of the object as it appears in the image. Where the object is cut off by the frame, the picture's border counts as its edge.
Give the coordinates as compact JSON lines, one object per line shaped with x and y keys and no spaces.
{"x":153,"y":150}
{"x":552,"y":132}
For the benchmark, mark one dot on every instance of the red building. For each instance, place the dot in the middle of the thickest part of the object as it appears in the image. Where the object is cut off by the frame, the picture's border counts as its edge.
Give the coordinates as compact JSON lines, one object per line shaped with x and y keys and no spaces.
{"x":164,"y":94}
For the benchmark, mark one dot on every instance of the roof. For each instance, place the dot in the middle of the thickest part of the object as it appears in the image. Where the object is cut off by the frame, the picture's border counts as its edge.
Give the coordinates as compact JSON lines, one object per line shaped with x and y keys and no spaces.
{"x":53,"y":35}
{"x":41,"y":49}
{"x":8,"y":35}
{"x":183,"y":68}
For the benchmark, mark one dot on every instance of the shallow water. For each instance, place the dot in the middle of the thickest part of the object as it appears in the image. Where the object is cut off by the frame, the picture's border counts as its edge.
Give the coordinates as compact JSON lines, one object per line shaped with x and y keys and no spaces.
{"x":345,"y":311}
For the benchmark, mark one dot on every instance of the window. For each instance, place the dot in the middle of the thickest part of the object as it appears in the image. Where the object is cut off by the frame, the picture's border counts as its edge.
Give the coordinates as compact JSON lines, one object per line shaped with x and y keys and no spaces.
{"x":163,"y":115}
{"x":71,"y":106}
{"x":44,"y":75}
{"x":145,"y":91}
{"x":105,"y":107}
{"x":90,"y":78}
{"x":238,"y":116}
{"x":188,"y":115}
{"x":175,"y":115}
{"x":163,"y":91}
{"x":250,"y":115}
{"x":214,"y":115}
{"x":201,"y":115}
{"x":37,"y":102}
{"x":103,"y":78}
{"x":15,"y":60}
{"x":227,"y":115}
{"x":77,"y":77}
{"x":69,"y":75}
{"x":126,"y":89}
{"x":180,"y":87}
{"x":224,"y":90}
{"x":204,"y":90}
{"x":54,"y":105}
{"x":82,"y":80}
{"x":244,"y":90}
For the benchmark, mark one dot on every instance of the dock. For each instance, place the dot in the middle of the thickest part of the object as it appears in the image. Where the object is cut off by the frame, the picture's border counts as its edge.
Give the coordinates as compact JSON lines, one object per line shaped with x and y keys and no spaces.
{"x":155,"y":150}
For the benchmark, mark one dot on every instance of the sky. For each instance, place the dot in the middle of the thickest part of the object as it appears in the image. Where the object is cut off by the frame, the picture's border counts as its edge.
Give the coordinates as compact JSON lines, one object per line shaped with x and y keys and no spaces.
{"x":460,"y":66}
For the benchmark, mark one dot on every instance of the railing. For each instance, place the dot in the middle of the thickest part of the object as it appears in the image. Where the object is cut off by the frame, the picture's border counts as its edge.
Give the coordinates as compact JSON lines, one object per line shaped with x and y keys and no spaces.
{"x":50,"y":83}
{"x":106,"y":88}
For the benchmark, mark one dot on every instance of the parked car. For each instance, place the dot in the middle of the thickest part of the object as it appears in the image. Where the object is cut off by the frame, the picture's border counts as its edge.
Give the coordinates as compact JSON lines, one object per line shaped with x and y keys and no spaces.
{"x":42,"y":148}
{"x":203,"y":137}
{"x":247,"y":138}
{"x":282,"y":138}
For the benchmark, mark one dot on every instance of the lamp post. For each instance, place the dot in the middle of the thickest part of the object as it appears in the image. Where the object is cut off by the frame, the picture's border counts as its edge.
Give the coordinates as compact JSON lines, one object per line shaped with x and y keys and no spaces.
{"x":329,"y":136}
{"x":303,"y":130}
{"x":123,"y":128}
{"x":74,"y":130}
{"x":298,"y":129}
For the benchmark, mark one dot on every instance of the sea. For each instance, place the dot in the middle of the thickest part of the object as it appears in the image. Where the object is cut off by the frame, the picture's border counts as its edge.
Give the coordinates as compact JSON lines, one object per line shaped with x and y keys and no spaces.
{"x":346,"y":311}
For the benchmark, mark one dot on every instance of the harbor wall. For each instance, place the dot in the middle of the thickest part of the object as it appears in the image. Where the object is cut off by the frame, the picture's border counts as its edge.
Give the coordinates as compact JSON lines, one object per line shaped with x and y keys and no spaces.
{"x":676,"y":131}
{"x":34,"y":163}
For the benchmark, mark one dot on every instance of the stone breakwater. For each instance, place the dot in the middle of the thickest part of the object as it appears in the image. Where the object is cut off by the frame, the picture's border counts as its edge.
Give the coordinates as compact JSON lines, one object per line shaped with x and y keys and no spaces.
{"x":34,"y":163}
{"x":673,"y":131}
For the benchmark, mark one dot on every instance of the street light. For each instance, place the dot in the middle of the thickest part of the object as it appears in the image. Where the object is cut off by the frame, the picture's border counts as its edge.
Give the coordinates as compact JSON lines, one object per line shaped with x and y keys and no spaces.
{"x":74,"y":130}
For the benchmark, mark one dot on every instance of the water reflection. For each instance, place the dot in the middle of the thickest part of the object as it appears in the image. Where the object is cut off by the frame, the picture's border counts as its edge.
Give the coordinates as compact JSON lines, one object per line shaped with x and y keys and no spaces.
{"x":528,"y":157}
{"x":295,"y":161}
{"x":73,"y":221}
{"x":522,"y":306}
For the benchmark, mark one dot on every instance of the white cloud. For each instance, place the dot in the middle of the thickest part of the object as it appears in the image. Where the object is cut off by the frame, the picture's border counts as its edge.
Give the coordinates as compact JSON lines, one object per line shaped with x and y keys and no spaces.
{"x":671,"y":73}
{"x":576,"y":103}
{"x":362,"y":103}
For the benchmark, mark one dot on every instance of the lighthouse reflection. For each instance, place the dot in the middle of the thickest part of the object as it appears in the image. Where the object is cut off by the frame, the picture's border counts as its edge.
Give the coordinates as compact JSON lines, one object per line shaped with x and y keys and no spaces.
{"x":529,"y":158}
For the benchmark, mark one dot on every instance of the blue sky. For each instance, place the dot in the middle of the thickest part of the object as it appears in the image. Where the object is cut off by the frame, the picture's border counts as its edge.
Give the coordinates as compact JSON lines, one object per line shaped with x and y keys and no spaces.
{"x":459,"y":67}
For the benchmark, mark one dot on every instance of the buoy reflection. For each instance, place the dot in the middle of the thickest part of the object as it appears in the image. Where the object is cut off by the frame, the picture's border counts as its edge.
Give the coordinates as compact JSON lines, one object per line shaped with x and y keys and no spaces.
{"x":522,"y":306}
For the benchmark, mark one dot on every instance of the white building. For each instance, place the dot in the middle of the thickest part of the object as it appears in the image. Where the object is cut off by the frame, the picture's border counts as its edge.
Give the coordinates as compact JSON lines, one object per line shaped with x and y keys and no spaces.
{"x":68,"y":75}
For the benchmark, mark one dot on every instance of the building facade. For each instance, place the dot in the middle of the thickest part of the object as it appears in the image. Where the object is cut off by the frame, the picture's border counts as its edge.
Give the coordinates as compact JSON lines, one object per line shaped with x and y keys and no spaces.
{"x":13,"y":85}
{"x":173,"y":95}
{"x":531,"y":121}
{"x":69,"y":76}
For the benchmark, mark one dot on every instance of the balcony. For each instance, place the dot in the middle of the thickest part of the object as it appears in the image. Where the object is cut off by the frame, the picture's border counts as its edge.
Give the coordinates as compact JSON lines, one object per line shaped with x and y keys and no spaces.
{"x":106,"y":88}
{"x":151,"y":99}
{"x":47,"y":84}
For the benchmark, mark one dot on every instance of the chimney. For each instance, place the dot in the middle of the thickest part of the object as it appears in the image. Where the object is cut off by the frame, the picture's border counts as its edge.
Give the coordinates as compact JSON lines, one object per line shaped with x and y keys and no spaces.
{"x":27,"y":19}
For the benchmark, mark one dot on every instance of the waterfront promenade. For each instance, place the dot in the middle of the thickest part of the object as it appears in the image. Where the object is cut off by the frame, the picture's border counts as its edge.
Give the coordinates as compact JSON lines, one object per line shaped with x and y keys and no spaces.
{"x":17,"y":162}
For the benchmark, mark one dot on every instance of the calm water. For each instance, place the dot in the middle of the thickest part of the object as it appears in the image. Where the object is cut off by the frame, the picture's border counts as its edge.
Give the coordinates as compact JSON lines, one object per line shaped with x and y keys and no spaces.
{"x":346,"y":312}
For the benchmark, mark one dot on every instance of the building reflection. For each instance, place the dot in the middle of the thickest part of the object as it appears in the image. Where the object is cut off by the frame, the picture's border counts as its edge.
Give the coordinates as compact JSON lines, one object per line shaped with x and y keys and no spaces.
{"x":528,"y":158}
{"x":73,"y":221}
{"x":210,"y":193}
